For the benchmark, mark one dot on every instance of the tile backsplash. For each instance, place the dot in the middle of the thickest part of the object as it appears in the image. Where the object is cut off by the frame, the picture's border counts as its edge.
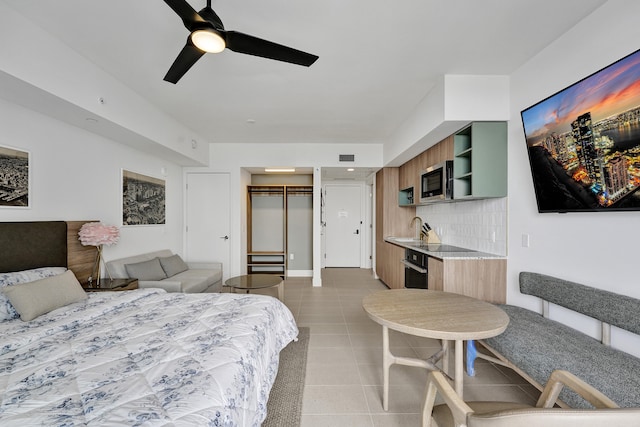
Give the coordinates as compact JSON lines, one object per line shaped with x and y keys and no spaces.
{"x":475,"y":224}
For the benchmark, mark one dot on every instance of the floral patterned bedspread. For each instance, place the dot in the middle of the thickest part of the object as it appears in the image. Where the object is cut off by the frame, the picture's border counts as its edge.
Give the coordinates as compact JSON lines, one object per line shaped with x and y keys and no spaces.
{"x":144,"y":357}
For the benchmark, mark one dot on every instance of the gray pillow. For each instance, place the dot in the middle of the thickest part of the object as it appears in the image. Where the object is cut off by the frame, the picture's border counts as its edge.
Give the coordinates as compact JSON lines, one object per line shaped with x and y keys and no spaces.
{"x":146,"y":270}
{"x":173,"y":265}
{"x":42,"y":296}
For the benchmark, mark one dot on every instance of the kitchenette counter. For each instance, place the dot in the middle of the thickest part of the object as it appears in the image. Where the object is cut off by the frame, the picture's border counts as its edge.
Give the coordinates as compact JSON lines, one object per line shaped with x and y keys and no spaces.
{"x":439,"y":250}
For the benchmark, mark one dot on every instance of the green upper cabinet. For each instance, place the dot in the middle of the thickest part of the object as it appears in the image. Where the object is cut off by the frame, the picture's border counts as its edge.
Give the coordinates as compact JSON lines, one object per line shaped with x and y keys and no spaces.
{"x":480,"y":161}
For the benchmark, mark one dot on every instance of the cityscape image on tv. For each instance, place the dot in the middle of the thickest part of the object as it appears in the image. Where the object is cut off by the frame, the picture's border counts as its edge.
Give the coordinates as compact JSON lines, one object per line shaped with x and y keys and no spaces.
{"x":584,"y":142}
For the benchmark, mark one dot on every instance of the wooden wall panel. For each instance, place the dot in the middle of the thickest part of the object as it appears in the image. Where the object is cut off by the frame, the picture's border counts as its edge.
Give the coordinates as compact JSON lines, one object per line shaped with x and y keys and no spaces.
{"x":80,"y":259}
{"x":391,"y":220}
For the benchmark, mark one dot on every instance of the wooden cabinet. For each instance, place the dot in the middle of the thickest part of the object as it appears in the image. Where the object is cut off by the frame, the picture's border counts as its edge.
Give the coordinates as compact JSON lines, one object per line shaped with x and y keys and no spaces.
{"x":484,"y":279}
{"x":440,"y":152}
{"x":388,"y":266}
{"x":410,"y":171}
{"x":480,"y":161}
{"x":409,"y":177}
{"x":391,"y":220}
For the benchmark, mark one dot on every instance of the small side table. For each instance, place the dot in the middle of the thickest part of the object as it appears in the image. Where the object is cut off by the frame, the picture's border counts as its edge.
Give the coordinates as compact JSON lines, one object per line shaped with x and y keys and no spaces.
{"x":250,"y":282}
{"x":111,"y":285}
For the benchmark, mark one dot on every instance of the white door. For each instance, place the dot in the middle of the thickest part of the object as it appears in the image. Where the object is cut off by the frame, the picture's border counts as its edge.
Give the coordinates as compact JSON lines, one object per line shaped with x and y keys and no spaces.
{"x":343,"y":231}
{"x":208,"y":219}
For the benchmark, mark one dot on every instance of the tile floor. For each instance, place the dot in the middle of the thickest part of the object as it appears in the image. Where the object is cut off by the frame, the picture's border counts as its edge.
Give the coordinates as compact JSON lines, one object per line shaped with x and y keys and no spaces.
{"x":344,"y":368}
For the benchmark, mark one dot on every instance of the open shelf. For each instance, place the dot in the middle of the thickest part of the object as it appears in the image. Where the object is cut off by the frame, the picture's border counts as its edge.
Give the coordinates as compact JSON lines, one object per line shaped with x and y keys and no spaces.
{"x":266,"y":262}
{"x":480,"y":151}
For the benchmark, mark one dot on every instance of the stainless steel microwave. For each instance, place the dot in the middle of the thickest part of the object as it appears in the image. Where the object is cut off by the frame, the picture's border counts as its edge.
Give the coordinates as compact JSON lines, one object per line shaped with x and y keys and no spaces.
{"x":436,"y":182}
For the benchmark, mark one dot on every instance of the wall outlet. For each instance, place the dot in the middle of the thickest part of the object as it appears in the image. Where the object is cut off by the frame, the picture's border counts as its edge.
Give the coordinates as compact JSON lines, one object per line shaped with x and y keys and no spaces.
{"x":291,"y":256}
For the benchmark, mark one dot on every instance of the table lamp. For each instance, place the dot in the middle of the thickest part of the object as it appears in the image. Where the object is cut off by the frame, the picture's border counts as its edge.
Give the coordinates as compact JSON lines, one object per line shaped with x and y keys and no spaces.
{"x":98,"y":234}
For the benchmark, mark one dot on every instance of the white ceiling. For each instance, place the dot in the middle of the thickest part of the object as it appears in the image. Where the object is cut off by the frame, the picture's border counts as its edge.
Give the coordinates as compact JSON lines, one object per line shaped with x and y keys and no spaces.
{"x":378,"y":59}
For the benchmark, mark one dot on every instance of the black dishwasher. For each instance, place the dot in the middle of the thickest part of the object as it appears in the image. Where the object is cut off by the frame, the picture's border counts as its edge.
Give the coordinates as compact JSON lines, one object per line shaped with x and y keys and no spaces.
{"x":415,"y":269}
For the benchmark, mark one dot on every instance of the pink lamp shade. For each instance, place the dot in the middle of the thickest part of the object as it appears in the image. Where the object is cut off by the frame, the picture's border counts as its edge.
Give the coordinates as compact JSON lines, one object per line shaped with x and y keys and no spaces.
{"x":96,"y":234}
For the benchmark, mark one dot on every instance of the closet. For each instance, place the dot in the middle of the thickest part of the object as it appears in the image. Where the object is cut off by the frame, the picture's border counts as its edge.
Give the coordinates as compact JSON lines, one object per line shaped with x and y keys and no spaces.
{"x":279,"y":229}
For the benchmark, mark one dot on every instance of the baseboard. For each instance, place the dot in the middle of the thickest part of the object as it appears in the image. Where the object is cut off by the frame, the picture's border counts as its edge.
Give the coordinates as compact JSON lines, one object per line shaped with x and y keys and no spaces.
{"x":299,"y":273}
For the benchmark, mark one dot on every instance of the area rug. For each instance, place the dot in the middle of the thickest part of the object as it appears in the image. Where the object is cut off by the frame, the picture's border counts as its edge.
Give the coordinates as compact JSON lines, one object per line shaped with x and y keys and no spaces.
{"x":284,"y":407}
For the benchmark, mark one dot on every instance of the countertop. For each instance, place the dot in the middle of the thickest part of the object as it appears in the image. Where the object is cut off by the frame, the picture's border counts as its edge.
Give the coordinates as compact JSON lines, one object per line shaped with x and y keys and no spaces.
{"x":431,"y":250}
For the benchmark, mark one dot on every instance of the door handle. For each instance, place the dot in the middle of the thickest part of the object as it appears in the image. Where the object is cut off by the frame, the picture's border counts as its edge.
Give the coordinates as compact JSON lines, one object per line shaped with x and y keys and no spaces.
{"x":357,"y":231}
{"x":224,"y":237}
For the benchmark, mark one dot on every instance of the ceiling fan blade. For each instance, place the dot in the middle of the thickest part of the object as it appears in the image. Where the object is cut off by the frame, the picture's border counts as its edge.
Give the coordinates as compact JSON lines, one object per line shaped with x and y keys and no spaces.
{"x":188,"y":14}
{"x":244,"y":43}
{"x":185,"y":60}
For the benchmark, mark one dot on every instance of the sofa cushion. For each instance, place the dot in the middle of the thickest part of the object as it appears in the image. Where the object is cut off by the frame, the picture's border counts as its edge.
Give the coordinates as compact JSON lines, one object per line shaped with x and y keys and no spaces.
{"x":197,"y":280}
{"x":117,"y":269}
{"x":146,"y":270}
{"x":200,"y":277}
{"x":173,"y":265}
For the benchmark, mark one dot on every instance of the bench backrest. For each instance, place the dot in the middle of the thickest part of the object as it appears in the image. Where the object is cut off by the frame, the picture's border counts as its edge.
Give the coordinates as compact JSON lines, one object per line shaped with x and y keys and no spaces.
{"x":608,"y":307}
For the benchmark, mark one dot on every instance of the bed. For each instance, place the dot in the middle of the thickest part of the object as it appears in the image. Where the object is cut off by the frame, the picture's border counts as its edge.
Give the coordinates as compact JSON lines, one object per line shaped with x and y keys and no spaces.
{"x":143,"y":357}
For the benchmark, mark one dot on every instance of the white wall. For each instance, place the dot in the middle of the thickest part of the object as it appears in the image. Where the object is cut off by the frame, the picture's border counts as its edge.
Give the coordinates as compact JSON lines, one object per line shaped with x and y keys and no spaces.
{"x":62,"y":83}
{"x":76,"y":175}
{"x":596,"y":249}
{"x":451,"y":104}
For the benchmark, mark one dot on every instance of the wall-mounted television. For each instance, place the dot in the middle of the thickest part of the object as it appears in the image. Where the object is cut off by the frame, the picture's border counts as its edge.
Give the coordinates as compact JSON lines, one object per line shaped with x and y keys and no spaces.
{"x":584,"y":142}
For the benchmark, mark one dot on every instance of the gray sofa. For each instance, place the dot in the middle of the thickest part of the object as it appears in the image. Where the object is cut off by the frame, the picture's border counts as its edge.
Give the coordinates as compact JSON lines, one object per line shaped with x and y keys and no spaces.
{"x":163,"y":269}
{"x":534,"y":345}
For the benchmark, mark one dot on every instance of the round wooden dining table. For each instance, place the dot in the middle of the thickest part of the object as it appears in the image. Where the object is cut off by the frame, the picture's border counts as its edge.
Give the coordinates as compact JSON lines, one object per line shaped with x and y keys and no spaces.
{"x":432,"y":314}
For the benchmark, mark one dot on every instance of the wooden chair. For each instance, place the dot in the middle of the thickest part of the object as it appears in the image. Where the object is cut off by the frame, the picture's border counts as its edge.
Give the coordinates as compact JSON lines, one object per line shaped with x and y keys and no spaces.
{"x":456,"y":412}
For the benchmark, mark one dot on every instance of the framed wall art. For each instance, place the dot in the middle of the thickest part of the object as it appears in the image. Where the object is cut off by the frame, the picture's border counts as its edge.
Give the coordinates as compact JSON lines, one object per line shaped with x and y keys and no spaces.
{"x":14,"y":178}
{"x":143,"y":199}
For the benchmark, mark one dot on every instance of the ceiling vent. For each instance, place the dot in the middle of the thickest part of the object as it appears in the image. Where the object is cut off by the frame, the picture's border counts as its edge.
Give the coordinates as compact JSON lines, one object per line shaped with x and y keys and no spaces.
{"x":347,"y":157}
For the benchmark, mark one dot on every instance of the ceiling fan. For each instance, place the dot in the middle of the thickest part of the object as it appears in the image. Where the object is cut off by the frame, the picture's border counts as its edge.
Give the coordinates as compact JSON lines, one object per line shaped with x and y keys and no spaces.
{"x":207,"y":34}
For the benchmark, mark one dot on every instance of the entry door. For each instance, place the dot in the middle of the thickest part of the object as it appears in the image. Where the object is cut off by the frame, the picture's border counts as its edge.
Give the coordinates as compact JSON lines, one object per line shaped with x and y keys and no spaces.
{"x":208,"y":219}
{"x":343,"y":231}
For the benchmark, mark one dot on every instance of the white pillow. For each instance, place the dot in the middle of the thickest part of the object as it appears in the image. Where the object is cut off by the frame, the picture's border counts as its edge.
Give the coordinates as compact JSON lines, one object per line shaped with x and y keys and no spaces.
{"x":36,"y":298}
{"x":7,"y":312}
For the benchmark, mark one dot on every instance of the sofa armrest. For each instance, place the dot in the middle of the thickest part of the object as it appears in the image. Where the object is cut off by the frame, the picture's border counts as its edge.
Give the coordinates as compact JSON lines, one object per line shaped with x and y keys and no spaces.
{"x":167,"y":285}
{"x":205,"y":265}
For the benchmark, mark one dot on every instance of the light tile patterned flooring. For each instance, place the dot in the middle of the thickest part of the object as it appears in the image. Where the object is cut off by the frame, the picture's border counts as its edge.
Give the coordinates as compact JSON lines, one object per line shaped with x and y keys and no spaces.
{"x":343,"y":384}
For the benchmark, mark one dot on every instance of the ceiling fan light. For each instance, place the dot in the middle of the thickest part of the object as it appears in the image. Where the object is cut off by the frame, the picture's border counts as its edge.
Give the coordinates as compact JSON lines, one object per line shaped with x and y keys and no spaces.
{"x":208,"y":41}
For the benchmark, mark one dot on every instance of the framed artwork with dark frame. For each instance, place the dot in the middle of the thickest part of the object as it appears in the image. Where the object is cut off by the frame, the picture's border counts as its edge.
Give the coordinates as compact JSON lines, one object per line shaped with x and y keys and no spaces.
{"x":15,"y":181}
{"x":143,"y":199}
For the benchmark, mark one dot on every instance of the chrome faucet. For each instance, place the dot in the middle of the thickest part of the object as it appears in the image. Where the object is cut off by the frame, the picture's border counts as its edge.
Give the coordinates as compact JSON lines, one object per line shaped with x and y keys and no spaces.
{"x":418,"y":228}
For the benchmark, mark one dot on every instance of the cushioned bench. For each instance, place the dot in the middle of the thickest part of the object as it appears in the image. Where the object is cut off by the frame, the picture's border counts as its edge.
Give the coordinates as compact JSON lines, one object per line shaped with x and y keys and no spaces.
{"x":162,"y":269}
{"x":534,"y":345}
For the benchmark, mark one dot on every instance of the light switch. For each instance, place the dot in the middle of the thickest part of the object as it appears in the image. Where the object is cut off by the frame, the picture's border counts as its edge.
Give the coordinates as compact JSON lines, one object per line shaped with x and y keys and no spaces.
{"x":525,"y":240}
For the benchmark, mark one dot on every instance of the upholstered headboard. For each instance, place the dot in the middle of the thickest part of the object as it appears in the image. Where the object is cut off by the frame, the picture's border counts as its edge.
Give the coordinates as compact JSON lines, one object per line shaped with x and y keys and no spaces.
{"x":25,"y":245}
